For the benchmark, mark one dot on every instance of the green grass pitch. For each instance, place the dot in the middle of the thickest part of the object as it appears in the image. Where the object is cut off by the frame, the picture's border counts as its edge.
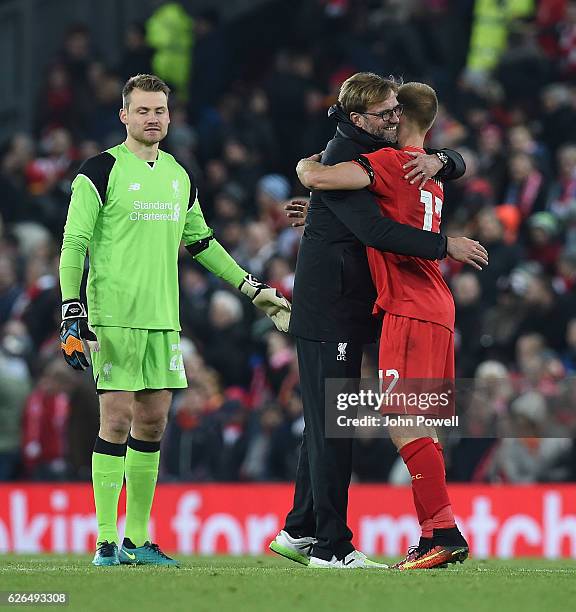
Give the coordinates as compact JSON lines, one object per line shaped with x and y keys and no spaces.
{"x":270,"y":584}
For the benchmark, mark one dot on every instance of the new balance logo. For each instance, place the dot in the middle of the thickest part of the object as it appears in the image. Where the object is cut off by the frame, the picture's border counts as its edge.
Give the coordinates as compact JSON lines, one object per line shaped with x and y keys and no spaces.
{"x":341,"y":351}
{"x":134,"y":187}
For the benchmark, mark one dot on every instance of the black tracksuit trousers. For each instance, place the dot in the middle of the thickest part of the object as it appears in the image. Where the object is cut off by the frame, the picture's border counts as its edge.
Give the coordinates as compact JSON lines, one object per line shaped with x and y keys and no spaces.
{"x":325,"y":464}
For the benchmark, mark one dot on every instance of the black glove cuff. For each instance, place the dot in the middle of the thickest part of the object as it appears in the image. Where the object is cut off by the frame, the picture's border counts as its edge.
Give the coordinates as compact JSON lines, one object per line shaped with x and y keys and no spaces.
{"x":253,"y":282}
{"x":73,"y":309}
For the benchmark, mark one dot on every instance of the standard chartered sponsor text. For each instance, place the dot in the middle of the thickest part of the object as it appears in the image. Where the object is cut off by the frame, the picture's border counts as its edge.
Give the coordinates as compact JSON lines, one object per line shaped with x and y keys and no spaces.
{"x":172,"y":211}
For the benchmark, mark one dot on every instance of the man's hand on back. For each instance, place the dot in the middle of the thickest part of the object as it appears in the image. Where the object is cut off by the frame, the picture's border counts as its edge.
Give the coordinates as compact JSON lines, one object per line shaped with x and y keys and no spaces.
{"x":467,"y":251}
{"x":297,"y":209}
{"x":424,"y":167}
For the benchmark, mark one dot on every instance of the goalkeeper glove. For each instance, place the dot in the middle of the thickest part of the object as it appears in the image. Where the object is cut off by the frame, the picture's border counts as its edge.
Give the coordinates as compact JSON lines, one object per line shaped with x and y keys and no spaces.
{"x":269,"y":300}
{"x":73,"y":331}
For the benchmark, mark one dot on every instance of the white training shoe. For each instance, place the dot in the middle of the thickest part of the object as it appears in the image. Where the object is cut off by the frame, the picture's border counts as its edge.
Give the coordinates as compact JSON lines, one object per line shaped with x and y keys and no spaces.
{"x":353,"y":560}
{"x":295,"y":549}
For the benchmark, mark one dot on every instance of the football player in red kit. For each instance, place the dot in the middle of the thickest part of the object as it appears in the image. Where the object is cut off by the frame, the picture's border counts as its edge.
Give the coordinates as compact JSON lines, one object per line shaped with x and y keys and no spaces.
{"x":417,"y":340}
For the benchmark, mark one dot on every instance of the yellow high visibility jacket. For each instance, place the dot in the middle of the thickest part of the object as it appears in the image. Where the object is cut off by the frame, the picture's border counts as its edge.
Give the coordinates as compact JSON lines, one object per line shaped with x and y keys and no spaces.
{"x":170,"y":31}
{"x":490,"y":28}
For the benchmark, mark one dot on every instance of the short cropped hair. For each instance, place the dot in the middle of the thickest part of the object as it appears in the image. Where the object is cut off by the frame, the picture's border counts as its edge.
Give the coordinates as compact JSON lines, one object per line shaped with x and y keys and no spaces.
{"x":364,"y":89}
{"x":145,"y":82}
{"x":420,"y":104}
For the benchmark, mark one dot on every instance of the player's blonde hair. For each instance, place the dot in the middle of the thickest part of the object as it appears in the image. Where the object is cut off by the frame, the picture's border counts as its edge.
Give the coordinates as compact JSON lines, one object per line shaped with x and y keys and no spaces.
{"x":145,"y":82}
{"x":420,"y":104}
{"x":364,"y":89}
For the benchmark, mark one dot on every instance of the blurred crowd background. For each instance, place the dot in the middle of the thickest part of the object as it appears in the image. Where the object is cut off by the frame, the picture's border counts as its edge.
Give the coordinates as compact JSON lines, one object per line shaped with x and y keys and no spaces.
{"x":250,"y":97}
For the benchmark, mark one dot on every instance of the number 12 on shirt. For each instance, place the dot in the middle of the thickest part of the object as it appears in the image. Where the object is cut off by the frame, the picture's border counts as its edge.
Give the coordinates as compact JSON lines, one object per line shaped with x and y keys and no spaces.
{"x":432,"y":204}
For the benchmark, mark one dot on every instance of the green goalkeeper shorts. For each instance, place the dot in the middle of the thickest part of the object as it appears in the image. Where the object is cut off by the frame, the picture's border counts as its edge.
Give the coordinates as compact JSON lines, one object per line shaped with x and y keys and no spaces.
{"x":135,"y":359}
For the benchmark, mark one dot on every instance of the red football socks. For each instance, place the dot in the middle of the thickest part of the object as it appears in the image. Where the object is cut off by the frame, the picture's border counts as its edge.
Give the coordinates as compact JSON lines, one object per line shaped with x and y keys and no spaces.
{"x":425,"y":463}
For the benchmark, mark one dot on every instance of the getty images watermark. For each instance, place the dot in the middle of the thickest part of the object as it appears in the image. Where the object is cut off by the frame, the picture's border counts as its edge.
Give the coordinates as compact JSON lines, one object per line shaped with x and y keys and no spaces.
{"x":463,"y":408}
{"x":406,"y":409}
{"x":381,"y":408}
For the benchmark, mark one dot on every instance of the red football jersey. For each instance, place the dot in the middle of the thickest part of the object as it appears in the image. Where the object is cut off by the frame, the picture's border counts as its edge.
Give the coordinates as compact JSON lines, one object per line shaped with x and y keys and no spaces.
{"x":408,"y":286}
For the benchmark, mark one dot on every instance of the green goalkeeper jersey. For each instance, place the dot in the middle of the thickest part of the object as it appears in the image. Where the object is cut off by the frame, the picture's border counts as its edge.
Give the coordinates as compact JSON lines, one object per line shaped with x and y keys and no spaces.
{"x":132,"y":215}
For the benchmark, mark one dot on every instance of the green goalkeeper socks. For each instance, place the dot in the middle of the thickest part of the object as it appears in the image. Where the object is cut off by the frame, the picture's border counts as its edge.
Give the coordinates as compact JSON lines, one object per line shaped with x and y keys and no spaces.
{"x":107,"y":480}
{"x":142,"y":460}
{"x":108,"y":469}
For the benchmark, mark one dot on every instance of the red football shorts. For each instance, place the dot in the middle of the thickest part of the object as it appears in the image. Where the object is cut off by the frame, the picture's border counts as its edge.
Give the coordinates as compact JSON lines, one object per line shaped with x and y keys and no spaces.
{"x":416,"y":364}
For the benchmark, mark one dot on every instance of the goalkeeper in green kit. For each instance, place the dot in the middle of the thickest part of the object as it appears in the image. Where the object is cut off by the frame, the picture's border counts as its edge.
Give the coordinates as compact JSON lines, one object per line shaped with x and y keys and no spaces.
{"x":131,"y":207}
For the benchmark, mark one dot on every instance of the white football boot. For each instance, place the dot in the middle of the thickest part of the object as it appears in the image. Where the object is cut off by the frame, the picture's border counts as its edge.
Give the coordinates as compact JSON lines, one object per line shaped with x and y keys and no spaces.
{"x":295,"y":549}
{"x":353,"y":560}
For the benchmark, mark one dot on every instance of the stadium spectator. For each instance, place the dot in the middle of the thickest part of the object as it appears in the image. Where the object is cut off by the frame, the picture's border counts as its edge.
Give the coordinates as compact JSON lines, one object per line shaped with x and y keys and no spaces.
{"x":259,"y":462}
{"x":544,"y":245}
{"x":503,"y":257}
{"x":523,"y":67}
{"x":102,"y":123}
{"x":557,"y":113}
{"x":45,"y":427}
{"x":525,"y":187}
{"x":77,"y":54}
{"x":10,"y":289}
{"x":271,"y":192}
{"x":226,"y":338}
{"x":56,"y":103}
{"x":569,"y":357}
{"x":473,"y":191}
{"x":492,"y":157}
{"x":211,"y":69}
{"x":287,"y":89}
{"x":83,"y":422}
{"x":14,"y":388}
{"x":567,"y":42}
{"x":530,"y":456}
{"x":137,"y":58}
{"x":562,"y":195}
{"x":193,"y":438}
{"x":469,"y":308}
{"x":17,"y":154}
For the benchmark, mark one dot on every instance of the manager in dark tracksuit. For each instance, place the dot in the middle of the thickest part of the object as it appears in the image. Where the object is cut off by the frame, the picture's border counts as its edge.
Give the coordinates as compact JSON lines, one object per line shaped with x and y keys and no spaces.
{"x":332,"y":304}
